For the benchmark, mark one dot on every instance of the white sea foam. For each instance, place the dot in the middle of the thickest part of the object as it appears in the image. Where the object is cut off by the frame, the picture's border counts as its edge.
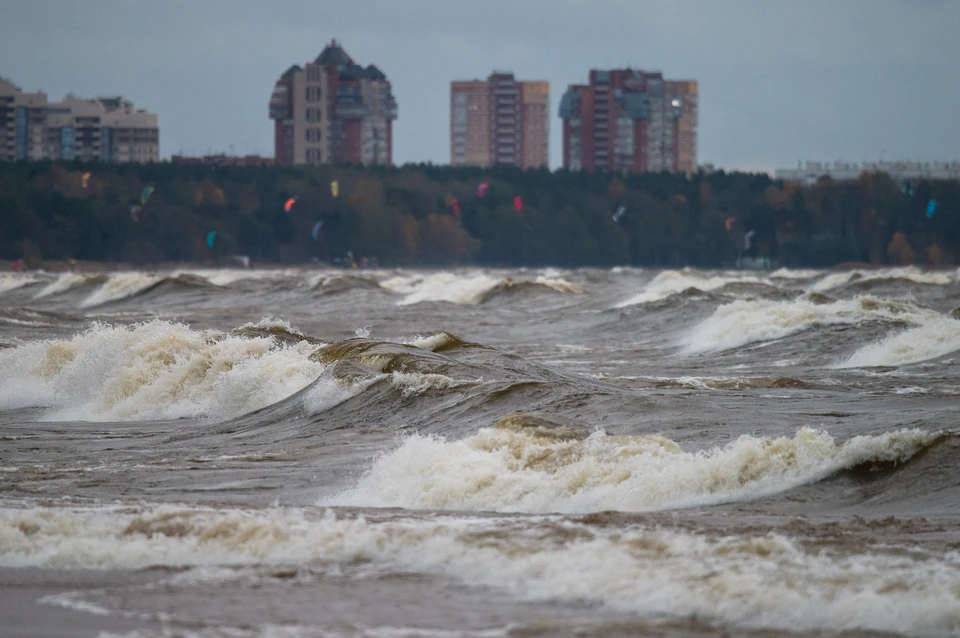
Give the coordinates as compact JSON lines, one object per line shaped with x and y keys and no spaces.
{"x":443,"y":286}
{"x":934,"y":338}
{"x":64,"y":282}
{"x":741,"y":322}
{"x":120,"y":286}
{"x":150,"y":371}
{"x":909,"y":273}
{"x":559,"y":284}
{"x":12,"y":281}
{"x":416,"y":383}
{"x":671,"y":282}
{"x":748,"y":580}
{"x":504,"y":470}
{"x":790,"y":273}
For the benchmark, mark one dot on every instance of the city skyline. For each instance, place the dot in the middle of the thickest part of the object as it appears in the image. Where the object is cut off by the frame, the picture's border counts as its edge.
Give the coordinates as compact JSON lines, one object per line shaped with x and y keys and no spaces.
{"x":778,"y":83}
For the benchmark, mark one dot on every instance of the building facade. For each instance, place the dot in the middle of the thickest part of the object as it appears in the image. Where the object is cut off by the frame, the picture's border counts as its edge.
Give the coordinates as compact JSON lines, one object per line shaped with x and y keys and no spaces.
{"x":630,"y":120}
{"x":499,"y":121}
{"x":332,"y":111}
{"x":106,"y":129}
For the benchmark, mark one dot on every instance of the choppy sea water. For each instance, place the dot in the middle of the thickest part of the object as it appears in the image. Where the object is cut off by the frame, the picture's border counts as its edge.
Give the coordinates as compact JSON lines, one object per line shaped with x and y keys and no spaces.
{"x":289,"y":453}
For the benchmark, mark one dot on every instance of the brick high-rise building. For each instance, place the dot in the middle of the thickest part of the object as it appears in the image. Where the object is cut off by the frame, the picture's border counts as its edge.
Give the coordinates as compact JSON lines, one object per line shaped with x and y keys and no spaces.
{"x":630,"y":120}
{"x":333,"y":110}
{"x":107,"y":129}
{"x":499,"y":121}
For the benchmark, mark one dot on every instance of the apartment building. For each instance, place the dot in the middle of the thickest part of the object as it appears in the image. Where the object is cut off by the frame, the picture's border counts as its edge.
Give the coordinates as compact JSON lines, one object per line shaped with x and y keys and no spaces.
{"x":333,"y":110}
{"x":630,"y":120}
{"x":107,"y":129}
{"x":499,"y":121}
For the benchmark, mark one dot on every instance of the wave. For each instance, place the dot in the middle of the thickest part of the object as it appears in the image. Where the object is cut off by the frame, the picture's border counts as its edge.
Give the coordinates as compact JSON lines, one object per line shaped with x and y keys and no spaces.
{"x":527,"y":464}
{"x":741,"y":322}
{"x":66,"y":281}
{"x":720,"y":383}
{"x":909,"y":273}
{"x":751,"y":579}
{"x":339,"y":282}
{"x":470,"y":289}
{"x":227,"y":276}
{"x":671,"y":282}
{"x":131,"y":284}
{"x":153,"y":370}
{"x":12,"y":281}
{"x":934,"y":338}
{"x":798,"y":273}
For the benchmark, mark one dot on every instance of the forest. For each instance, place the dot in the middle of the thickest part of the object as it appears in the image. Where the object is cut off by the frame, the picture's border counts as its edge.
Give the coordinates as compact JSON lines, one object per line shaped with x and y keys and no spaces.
{"x":430,"y":215}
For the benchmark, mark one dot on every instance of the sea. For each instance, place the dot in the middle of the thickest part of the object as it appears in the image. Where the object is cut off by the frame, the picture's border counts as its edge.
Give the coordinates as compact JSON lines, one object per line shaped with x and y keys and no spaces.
{"x":395,"y":453}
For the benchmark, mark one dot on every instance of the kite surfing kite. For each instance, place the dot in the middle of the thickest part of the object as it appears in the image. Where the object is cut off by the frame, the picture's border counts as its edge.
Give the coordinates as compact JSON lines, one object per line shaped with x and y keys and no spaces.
{"x":144,"y":198}
{"x":334,"y":188}
{"x":617,"y":215}
{"x":84,"y":179}
{"x":289,"y":204}
{"x":729,"y":223}
{"x":316,"y":230}
{"x":931,"y":208}
{"x":748,"y":240}
{"x":518,"y":204}
{"x":211,"y":237}
{"x":482,"y":190}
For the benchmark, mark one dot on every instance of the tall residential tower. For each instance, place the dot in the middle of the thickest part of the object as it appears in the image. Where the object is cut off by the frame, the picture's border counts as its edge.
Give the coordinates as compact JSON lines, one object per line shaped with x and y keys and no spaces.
{"x":499,"y":121}
{"x":333,"y":110}
{"x":630,"y":120}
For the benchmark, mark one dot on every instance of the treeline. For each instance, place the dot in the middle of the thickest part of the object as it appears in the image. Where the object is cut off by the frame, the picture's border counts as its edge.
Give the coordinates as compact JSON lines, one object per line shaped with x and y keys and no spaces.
{"x":434,"y":215}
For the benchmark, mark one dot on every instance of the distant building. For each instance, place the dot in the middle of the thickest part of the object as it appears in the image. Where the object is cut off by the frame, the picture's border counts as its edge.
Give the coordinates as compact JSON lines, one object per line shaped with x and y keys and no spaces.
{"x":107,"y":129}
{"x":499,"y":121}
{"x":630,"y":120}
{"x":223,"y":160}
{"x":333,"y":110}
{"x":810,"y":172}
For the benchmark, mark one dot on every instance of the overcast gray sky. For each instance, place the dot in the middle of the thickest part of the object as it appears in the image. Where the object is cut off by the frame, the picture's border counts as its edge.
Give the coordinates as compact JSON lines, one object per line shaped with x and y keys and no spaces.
{"x":779,"y":81}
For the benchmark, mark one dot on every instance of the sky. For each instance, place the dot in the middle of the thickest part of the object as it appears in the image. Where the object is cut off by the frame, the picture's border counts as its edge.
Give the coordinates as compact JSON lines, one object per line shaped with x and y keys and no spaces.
{"x":780,"y":81}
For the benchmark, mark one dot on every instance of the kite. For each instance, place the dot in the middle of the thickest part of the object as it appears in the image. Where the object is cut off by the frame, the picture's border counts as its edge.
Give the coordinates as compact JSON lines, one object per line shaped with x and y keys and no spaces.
{"x":84,"y":179}
{"x":289,"y":204}
{"x":729,"y":223}
{"x":748,"y":240}
{"x":931,"y":208}
{"x":211,"y":237}
{"x":518,"y":204}
{"x":135,"y":213}
{"x":617,"y":215}
{"x":316,"y":230}
{"x":334,"y":188}
{"x":482,"y":190}
{"x":145,"y":194}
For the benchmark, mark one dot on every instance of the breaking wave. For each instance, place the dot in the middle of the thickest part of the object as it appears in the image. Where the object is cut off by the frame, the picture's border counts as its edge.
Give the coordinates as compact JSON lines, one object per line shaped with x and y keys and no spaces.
{"x":64,"y":282}
{"x":936,"y":337}
{"x":153,"y":370}
{"x":671,"y":282}
{"x":469,"y":289}
{"x":12,"y":281}
{"x":909,"y":273}
{"x":751,"y":580}
{"x":741,"y":322}
{"x":523,"y":465}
